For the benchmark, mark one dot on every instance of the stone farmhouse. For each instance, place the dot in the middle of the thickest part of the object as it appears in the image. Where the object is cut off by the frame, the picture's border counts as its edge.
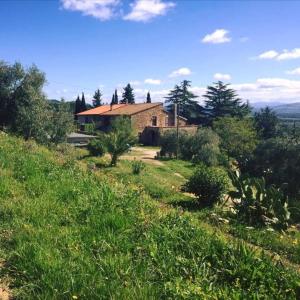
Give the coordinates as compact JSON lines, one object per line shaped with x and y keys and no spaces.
{"x":148,"y":120}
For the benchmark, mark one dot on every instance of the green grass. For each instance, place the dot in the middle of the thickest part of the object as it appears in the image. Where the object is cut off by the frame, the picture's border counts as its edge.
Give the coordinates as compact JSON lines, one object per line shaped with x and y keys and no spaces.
{"x":70,"y":232}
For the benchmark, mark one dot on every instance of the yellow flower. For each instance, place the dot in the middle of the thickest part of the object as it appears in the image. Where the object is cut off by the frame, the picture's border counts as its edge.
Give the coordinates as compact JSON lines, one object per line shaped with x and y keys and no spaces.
{"x":74,"y":297}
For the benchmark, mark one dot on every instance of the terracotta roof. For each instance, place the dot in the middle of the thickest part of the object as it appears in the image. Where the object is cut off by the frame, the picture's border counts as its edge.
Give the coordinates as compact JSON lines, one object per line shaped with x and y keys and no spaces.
{"x":131,"y":109}
{"x":100,"y":110}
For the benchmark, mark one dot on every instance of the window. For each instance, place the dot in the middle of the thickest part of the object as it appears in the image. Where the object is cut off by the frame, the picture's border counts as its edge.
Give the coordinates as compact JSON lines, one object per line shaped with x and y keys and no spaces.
{"x":167,"y":121}
{"x":154,"y":121}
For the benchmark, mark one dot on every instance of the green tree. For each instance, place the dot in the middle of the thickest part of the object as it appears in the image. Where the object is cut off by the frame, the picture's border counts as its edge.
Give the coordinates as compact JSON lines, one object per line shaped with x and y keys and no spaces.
{"x":77,"y":107}
{"x":128,"y":95}
{"x":222,"y":101}
{"x":113,"y":100}
{"x":185,"y":99}
{"x":119,"y":139}
{"x":83,"y":104}
{"x":266,"y":123}
{"x":116,"y":97}
{"x":97,"y":98}
{"x":23,"y":105}
{"x":60,"y":123}
{"x":148,"y":98}
{"x":238,"y":137}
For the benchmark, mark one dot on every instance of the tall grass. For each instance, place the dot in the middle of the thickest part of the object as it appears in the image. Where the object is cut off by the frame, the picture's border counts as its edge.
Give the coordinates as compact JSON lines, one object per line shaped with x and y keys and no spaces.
{"x":67,"y":234}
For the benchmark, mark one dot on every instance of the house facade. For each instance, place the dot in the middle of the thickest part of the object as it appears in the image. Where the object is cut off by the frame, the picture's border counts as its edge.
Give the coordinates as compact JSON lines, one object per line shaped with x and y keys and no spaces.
{"x":147,"y":119}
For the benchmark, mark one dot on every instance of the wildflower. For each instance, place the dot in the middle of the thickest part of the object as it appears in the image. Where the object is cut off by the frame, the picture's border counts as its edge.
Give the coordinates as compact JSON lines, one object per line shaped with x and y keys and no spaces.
{"x":74,"y":297}
{"x":249,"y":227}
{"x":270,"y":229}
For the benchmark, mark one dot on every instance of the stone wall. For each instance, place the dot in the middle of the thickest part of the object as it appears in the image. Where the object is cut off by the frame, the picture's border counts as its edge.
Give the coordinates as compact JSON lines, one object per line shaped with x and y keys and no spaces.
{"x":143,"y":119}
{"x":151,"y":135}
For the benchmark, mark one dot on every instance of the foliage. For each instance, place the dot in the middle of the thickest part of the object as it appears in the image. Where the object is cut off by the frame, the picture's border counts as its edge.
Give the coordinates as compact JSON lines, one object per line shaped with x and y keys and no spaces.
{"x":209,"y":184}
{"x":137,"y":167}
{"x":185,"y":99}
{"x":24,"y":108}
{"x":148,"y":100}
{"x":77,"y":106}
{"x":168,"y":143}
{"x":90,"y":128}
{"x":119,"y":139}
{"x":266,"y":123}
{"x":96,"y":147}
{"x":97,"y":98}
{"x":116,"y":100}
{"x":203,"y":146}
{"x":222,"y":101}
{"x":238,"y":137}
{"x":278,"y":160}
{"x":128,"y":95}
{"x":60,"y":123}
{"x":258,"y":204}
{"x":83,"y":104}
{"x":103,"y":239}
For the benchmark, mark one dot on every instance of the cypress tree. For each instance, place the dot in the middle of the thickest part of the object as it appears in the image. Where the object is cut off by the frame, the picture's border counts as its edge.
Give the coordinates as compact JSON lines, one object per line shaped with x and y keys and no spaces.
{"x":148,"y":98}
{"x":77,"y":107}
{"x":113,"y":99}
{"x":83,"y":104}
{"x":97,"y":99}
{"x":128,"y":95}
{"x":116,"y":97}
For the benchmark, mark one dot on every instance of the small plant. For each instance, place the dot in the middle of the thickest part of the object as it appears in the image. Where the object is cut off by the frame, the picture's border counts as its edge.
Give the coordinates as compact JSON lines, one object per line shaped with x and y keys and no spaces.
{"x":137,"y":167}
{"x":96,"y":147}
{"x":209,"y":184}
{"x":257,"y":204}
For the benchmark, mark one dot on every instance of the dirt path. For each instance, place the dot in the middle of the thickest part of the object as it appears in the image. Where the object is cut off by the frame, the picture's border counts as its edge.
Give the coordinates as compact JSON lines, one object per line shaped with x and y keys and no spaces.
{"x":144,"y":154}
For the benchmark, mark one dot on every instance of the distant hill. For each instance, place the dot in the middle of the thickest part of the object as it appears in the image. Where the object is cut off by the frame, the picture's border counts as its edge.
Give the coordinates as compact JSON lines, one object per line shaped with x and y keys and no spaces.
{"x":288,"y":110}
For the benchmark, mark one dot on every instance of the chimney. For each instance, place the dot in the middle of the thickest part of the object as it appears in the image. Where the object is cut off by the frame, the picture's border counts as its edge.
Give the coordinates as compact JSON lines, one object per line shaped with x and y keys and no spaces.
{"x":111,"y":106}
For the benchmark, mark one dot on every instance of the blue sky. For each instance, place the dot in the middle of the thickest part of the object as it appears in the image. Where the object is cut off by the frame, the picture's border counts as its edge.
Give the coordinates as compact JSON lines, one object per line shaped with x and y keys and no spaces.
{"x":83,"y":45}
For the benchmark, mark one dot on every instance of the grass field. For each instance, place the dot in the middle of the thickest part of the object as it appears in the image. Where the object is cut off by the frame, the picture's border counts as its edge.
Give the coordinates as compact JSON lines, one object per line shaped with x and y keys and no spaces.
{"x":72,"y":231}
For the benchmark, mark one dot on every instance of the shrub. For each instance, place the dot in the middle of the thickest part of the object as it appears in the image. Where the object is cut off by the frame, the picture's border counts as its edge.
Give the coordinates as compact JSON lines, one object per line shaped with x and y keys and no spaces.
{"x":96,"y":147}
{"x":201,"y":147}
{"x":209,"y":184}
{"x":205,"y":147}
{"x":258,"y":204}
{"x":168,"y":143}
{"x":137,"y":167}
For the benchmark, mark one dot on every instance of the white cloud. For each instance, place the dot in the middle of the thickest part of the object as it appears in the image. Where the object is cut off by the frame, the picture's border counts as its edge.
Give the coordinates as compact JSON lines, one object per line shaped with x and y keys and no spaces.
{"x":217,"y":37}
{"x":284,"y":55}
{"x":152,"y":81}
{"x":145,"y":10}
{"x":181,"y":72}
{"x":220,"y":76}
{"x":294,"y":72}
{"x":100,"y":9}
{"x":268,"y":54}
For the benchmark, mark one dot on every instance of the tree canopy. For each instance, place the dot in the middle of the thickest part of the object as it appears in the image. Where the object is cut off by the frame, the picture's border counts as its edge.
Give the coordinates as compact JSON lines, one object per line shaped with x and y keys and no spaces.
{"x":97,"y":98}
{"x":148,"y":100}
{"x":128,"y":95}
{"x":222,"y":101}
{"x":24,"y":109}
{"x":266,"y":123}
{"x":181,"y":95}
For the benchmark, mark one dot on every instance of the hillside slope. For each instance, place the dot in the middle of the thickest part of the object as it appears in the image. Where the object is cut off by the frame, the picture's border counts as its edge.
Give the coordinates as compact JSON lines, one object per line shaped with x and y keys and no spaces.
{"x":65,"y":233}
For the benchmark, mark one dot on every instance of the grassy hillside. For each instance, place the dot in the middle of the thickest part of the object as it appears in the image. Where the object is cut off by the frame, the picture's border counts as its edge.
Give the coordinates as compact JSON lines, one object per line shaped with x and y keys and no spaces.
{"x":69,"y":232}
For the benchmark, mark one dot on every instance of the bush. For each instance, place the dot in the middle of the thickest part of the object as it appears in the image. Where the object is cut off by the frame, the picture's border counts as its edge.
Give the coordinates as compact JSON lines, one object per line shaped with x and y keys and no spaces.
{"x":205,"y":147}
{"x":96,"y":147}
{"x":209,"y":184}
{"x":201,"y":147}
{"x":137,"y":167}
